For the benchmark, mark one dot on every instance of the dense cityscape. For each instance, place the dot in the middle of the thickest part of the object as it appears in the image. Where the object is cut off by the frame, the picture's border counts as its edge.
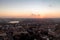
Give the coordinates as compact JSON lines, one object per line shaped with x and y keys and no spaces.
{"x":29,"y":19}
{"x":29,"y":29}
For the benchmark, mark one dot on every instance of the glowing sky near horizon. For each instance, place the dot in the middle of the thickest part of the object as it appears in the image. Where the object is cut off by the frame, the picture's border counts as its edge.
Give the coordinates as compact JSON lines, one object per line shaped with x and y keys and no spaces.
{"x":25,"y":8}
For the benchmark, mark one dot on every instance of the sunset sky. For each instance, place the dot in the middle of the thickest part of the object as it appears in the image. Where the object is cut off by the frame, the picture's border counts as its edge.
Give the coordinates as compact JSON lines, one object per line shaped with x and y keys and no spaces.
{"x":29,"y":8}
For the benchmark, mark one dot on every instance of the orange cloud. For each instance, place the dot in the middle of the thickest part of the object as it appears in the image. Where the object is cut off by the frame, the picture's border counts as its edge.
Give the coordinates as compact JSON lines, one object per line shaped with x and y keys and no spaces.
{"x":28,"y":14}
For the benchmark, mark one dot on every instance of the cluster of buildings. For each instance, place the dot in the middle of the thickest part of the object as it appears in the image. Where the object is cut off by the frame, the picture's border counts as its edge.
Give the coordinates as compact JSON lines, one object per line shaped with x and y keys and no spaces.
{"x":29,"y":30}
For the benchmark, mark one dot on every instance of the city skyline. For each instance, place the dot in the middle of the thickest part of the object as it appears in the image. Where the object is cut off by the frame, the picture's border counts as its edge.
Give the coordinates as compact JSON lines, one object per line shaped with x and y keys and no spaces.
{"x":25,"y":8}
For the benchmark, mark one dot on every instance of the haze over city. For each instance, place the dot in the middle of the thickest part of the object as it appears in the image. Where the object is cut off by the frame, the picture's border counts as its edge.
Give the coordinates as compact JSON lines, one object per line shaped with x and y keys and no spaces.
{"x":29,"y":19}
{"x":29,"y":8}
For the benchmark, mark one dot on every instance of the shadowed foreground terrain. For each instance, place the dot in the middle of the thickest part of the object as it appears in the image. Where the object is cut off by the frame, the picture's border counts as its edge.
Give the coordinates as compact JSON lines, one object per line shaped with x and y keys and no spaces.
{"x":29,"y":29}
